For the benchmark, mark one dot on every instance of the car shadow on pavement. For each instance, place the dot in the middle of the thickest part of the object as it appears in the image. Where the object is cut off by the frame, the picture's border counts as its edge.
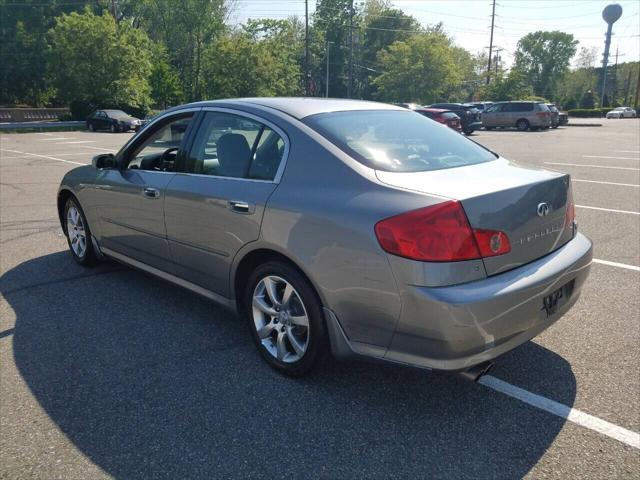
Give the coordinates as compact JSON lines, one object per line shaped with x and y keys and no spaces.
{"x":151,"y":381}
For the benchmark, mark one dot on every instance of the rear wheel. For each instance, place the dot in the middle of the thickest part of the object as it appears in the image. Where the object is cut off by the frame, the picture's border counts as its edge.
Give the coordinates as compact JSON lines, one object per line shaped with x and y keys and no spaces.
{"x":78,"y":234}
{"x":468,"y":132}
{"x":285,"y":318}
{"x":522,"y":125}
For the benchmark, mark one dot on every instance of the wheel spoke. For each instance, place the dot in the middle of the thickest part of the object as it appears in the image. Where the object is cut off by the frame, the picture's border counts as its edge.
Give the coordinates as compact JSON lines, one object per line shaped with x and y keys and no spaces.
{"x":300,"y":320}
{"x":286,"y":296}
{"x":261,"y":305}
{"x":265,"y":331}
{"x":295,"y":343}
{"x":281,"y":348}
{"x":270,"y":286}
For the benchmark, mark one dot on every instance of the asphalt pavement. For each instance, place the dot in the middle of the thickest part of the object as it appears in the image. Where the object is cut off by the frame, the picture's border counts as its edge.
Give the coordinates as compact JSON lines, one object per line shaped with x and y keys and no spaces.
{"x":112,"y":373}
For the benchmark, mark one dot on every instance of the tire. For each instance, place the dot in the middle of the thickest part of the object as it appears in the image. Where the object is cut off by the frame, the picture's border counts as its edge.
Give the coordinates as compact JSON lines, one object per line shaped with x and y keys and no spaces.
{"x":488,"y":128}
{"x":91,"y":127}
{"x":115,"y":129}
{"x":522,"y":125}
{"x":468,"y":132}
{"x":287,"y":345}
{"x":78,"y":234}
{"x":555,"y":126}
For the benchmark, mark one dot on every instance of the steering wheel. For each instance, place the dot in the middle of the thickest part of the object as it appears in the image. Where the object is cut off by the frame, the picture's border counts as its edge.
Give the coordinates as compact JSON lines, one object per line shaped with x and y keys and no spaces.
{"x":168,"y":159}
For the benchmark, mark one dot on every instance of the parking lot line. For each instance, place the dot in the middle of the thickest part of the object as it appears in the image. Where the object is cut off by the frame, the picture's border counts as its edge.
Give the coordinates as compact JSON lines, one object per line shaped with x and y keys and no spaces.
{"x":78,"y":141}
{"x":616,"y":264}
{"x":627,"y":151}
{"x":608,"y":209}
{"x":43,"y":156}
{"x":606,"y":183}
{"x":99,"y":148}
{"x":563,"y":411}
{"x":614,"y":158}
{"x":52,"y":139}
{"x":591,"y":166}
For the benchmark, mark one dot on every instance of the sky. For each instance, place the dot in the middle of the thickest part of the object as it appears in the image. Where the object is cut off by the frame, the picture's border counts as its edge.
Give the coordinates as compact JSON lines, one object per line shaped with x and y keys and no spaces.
{"x":469,"y":21}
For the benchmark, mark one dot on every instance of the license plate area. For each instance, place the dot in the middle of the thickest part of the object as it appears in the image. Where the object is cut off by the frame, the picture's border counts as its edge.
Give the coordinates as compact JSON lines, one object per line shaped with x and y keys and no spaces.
{"x":557,"y":298}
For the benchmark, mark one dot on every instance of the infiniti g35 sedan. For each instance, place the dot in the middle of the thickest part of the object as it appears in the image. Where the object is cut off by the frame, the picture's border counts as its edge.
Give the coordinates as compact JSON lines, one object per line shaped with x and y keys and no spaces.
{"x":359,"y":228}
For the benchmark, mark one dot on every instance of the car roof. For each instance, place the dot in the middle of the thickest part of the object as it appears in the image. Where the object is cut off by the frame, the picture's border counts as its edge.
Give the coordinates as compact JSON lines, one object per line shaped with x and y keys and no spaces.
{"x":433,"y":110}
{"x":301,"y":107}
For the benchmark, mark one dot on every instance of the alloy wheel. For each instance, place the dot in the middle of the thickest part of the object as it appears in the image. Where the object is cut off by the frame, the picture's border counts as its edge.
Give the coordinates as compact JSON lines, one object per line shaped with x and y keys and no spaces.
{"x":76,"y":232}
{"x":280,"y":319}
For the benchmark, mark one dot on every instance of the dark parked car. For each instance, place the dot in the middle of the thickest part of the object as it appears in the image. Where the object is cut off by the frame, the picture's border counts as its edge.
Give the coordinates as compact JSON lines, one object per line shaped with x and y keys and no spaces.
{"x":356,"y":226}
{"x":112,"y":120}
{"x":446,"y":117}
{"x":470,"y":117}
{"x":482,"y":106}
{"x":557,"y":117}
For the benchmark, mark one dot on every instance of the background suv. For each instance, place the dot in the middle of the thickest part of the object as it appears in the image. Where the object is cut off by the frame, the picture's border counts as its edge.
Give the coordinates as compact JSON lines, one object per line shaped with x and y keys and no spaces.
{"x":522,"y":115}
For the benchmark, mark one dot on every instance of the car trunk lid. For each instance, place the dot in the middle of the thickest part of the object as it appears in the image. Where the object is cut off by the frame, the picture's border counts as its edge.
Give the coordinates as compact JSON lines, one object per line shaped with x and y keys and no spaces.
{"x":527,"y":204}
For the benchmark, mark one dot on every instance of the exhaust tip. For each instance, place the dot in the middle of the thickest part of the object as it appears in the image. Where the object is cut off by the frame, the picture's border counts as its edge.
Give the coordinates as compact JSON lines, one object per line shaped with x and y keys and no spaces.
{"x":475,"y":373}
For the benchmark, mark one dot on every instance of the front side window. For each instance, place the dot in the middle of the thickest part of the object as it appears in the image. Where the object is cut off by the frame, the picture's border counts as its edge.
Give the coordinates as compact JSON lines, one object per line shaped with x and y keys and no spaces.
{"x":232,"y":146}
{"x":397,"y":141}
{"x":159,"y":151}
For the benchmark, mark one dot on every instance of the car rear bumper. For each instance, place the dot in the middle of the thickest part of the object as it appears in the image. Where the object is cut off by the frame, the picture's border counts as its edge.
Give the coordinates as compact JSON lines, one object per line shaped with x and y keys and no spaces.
{"x":457,"y":327}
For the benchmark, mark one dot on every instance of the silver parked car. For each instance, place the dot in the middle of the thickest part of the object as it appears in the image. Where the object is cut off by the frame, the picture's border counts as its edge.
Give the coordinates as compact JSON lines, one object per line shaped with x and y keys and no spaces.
{"x":621,"y":112}
{"x":521,"y":115}
{"x":361,"y":227}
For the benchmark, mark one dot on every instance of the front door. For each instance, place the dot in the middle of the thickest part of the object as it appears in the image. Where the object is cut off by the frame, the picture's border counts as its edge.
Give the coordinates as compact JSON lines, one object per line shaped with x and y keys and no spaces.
{"x":130,"y":200}
{"x":215,"y":203}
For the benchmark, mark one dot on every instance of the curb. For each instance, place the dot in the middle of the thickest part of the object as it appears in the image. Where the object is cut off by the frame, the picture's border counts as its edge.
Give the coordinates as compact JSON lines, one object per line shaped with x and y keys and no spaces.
{"x":583,"y":125}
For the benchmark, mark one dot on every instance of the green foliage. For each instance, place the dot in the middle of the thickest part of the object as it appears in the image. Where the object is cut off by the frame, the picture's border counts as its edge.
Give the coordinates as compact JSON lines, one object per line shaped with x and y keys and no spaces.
{"x":164,"y":80}
{"x":544,"y":58}
{"x":417,"y":70}
{"x":258,"y":61}
{"x":503,"y":87}
{"x":93,"y":60}
{"x":588,"y":112}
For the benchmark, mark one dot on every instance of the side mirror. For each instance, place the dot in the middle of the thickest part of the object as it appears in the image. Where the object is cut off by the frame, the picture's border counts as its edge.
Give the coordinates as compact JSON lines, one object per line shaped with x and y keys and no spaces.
{"x":104,"y":160}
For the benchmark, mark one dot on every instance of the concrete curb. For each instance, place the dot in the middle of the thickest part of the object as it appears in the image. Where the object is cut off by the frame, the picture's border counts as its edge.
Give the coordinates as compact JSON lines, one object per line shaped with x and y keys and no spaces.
{"x":582,"y":125}
{"x":40,"y":125}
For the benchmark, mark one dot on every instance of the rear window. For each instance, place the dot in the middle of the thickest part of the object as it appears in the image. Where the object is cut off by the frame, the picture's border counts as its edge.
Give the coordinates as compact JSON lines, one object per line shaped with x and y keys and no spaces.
{"x":522,"y":107}
{"x":449,"y":115}
{"x":396,"y":141}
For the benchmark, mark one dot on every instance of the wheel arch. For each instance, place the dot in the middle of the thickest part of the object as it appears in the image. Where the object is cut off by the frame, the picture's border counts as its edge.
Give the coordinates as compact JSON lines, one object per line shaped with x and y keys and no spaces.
{"x":64,"y":195}
{"x":247,"y":261}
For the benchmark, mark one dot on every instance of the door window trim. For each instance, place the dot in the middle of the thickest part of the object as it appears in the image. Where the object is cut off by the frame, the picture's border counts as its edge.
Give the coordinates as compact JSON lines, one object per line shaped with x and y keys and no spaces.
{"x":263,"y":121}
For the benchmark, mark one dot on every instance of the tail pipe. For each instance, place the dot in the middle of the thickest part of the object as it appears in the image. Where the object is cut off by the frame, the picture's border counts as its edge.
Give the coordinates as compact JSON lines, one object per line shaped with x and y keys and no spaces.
{"x":474,"y":373}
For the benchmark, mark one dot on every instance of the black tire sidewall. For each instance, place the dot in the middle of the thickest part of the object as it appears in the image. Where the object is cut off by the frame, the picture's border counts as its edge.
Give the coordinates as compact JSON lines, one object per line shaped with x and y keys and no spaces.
{"x":89,"y":257}
{"x":522,"y":122}
{"x":317,"y":340}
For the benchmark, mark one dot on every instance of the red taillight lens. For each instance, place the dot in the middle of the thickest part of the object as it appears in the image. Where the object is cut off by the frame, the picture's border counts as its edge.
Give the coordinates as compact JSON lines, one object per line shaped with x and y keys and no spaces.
{"x":440,"y":233}
{"x":440,"y":119}
{"x":570,"y":215}
{"x":492,"y":242}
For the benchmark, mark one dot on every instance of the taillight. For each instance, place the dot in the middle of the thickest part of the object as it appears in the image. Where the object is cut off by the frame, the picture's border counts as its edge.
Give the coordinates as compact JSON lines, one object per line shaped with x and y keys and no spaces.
{"x":570,"y":215}
{"x":440,"y":233}
{"x":440,"y":119}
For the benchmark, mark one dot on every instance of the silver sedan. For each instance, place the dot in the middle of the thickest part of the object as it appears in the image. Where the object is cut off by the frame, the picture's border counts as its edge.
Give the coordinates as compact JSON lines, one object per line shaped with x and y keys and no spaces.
{"x":354,"y":227}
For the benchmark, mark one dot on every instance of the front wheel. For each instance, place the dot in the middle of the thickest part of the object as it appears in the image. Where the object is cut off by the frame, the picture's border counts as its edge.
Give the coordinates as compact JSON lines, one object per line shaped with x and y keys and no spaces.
{"x":468,"y":132}
{"x":78,"y":234}
{"x":285,"y":318}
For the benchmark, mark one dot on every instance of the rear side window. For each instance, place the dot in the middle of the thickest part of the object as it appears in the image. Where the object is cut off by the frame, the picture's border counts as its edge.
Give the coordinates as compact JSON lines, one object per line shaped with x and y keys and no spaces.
{"x":232,"y":146}
{"x":397,"y":141}
{"x":522,"y":107}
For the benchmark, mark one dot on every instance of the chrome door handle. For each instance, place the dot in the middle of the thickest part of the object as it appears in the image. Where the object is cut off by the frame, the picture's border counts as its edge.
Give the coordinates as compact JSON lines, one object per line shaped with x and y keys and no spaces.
{"x":151,"y":192}
{"x":240,"y":207}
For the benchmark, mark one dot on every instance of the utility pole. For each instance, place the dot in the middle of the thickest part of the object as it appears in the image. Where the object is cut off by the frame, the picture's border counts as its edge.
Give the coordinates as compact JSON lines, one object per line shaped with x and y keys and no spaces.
{"x":306,"y":48}
{"x":493,"y":18}
{"x":497,"y":59}
{"x":615,"y":75}
{"x":350,"y":85}
{"x":326,"y":85}
{"x":114,"y":9}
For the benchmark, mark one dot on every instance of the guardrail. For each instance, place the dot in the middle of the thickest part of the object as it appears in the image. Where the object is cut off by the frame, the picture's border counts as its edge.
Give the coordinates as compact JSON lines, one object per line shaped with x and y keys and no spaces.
{"x":17,"y":115}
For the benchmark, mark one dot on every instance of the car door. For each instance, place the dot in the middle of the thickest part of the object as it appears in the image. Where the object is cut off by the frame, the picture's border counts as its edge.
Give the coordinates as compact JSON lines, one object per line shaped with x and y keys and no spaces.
{"x":490,"y":116}
{"x":215,"y":204}
{"x":129,"y":200}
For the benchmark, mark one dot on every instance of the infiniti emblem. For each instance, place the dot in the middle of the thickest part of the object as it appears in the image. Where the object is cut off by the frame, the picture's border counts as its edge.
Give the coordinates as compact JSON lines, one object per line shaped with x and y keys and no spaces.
{"x":543,"y":209}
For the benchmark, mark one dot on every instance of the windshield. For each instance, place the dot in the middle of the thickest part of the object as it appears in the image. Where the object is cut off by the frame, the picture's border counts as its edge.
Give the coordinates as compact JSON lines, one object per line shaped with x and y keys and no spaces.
{"x":396,"y":141}
{"x":117,"y":114}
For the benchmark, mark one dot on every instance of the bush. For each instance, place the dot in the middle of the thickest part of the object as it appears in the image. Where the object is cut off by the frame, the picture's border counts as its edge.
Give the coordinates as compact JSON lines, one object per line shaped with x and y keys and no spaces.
{"x":81,"y":109}
{"x":587,"y":112}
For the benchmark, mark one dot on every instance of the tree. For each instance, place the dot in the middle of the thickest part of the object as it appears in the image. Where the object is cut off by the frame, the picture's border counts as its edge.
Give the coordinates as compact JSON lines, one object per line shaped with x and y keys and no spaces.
{"x":382,"y":26}
{"x":507,"y":86}
{"x":164,"y":80}
{"x":573,"y":87}
{"x":186,"y":28}
{"x":262,"y":59}
{"x":544,"y":58}
{"x":418,"y":70}
{"x":93,"y":60}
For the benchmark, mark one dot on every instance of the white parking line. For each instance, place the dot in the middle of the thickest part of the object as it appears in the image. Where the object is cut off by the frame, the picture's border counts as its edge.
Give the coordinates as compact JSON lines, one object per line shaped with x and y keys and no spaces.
{"x":592,"y":166}
{"x":627,"y":151}
{"x":563,"y":411}
{"x":614,"y":158}
{"x":608,"y":209}
{"x":616,"y":264}
{"x":99,"y":148}
{"x":606,"y":183}
{"x":55,"y":138}
{"x":78,"y":141}
{"x":43,"y":156}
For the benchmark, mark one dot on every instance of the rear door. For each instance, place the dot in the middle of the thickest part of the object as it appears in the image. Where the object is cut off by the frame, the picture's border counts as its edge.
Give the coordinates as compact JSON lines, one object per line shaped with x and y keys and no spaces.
{"x":129,"y":201}
{"x":215,"y":204}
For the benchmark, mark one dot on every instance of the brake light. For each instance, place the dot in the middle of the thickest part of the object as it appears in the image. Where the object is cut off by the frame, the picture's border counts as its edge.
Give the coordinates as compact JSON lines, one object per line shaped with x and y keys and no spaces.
{"x":440,"y":119}
{"x":440,"y":233}
{"x":570,"y":215}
